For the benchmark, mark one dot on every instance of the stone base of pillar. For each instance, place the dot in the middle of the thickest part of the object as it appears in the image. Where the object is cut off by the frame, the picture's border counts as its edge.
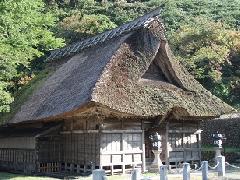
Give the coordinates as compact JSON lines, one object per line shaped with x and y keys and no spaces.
{"x":154,"y":167}
{"x":217,"y":152}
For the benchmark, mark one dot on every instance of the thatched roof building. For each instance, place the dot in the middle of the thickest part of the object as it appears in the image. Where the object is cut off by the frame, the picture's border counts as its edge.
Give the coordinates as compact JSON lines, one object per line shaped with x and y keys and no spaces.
{"x":129,"y":70}
{"x":106,"y":97}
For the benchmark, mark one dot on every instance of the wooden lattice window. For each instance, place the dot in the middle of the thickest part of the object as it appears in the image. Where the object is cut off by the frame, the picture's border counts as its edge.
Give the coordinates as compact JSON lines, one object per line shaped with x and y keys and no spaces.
{"x":111,"y":142}
{"x":132,"y":141}
{"x":176,"y":140}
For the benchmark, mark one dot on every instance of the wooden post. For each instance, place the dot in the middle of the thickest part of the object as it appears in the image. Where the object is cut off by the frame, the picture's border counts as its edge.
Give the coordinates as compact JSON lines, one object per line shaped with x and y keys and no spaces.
{"x":78,"y":168}
{"x":205,"y":170}
{"x":186,"y":171}
{"x":71,"y":167}
{"x":167,"y":149}
{"x":199,"y":142}
{"x":99,"y":174}
{"x":143,"y":151}
{"x":163,"y":172}
{"x":111,"y":169}
{"x":100,"y":155}
{"x":123,"y":155}
{"x":221,"y":165}
{"x":65,"y":166}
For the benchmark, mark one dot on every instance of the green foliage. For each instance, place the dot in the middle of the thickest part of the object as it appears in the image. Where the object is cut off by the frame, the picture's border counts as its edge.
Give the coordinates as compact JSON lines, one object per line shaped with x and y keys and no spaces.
{"x":176,"y":13}
{"x":92,"y":17}
{"x":79,"y":26}
{"x":204,"y":35}
{"x":24,"y":35}
{"x":206,"y":48}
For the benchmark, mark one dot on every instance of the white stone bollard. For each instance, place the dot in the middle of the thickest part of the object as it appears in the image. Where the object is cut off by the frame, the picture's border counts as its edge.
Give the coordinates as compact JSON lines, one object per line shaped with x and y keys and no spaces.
{"x":136,"y":174}
{"x":99,"y":174}
{"x":163,"y":172}
{"x":205,"y":170}
{"x":221,"y":165}
{"x":186,"y":171}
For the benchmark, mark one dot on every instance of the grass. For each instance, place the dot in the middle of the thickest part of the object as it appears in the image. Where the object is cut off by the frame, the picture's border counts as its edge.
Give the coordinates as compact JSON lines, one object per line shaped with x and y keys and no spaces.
{"x":10,"y":176}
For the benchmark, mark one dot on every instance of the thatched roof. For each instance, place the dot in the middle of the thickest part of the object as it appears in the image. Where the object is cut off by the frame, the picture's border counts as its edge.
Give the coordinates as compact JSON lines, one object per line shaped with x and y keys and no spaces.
{"x":229,"y":116}
{"x":129,"y":70}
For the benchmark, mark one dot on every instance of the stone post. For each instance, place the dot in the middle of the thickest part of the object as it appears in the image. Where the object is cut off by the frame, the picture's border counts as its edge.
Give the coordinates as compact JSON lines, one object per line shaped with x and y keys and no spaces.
{"x":186,"y":171}
{"x":99,"y":174}
{"x":205,"y":170}
{"x":136,"y":174}
{"x":221,"y":165}
{"x":163,"y":172}
{"x":217,"y":152}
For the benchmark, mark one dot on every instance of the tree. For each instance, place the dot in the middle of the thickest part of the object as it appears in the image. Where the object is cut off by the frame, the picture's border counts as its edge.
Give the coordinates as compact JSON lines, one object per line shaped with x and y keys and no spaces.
{"x":211,"y":51}
{"x":24,"y":35}
{"x":79,"y":26}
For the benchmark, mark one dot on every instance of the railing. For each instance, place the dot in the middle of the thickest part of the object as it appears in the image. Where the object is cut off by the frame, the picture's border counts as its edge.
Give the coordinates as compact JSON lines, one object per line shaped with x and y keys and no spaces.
{"x":99,"y":174}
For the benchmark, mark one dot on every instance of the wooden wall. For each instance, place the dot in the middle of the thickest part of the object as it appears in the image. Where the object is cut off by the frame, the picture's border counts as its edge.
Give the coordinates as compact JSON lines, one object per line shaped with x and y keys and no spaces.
{"x":112,"y":143}
{"x":18,"y":142}
{"x":184,"y":142}
{"x":18,"y":154}
{"x":121,"y":150}
{"x":81,"y":148}
{"x":122,"y":144}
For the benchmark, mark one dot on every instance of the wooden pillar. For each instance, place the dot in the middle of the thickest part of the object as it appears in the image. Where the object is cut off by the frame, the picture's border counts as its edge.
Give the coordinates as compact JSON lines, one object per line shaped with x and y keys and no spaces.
{"x":71,"y":167}
{"x":123,"y":165}
{"x":100,"y":154}
{"x":111,"y":169}
{"x":167,"y":149}
{"x":65,"y":166}
{"x":123,"y":155}
{"x":78,"y":168}
{"x":143,"y":153}
{"x":199,"y":143}
{"x":143,"y":148}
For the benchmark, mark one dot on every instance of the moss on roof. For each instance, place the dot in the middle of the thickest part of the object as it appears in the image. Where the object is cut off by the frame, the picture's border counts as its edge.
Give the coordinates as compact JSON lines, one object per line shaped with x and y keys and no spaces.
{"x":25,"y":92}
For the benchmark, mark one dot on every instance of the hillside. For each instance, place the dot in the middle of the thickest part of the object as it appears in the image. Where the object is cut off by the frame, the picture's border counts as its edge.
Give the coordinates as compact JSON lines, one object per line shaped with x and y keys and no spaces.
{"x":204,"y":35}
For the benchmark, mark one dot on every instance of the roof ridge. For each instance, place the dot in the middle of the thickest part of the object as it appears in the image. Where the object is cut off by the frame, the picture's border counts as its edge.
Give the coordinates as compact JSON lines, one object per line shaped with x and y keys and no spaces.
{"x":74,"y":48}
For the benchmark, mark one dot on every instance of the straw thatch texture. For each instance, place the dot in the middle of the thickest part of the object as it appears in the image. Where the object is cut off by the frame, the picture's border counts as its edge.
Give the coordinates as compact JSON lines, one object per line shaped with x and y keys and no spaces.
{"x":70,"y":86}
{"x":121,"y":86}
{"x":134,"y":73}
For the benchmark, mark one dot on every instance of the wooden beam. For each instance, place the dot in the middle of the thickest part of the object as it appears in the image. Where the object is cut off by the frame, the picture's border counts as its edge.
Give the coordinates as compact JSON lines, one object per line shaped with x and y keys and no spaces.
{"x":185,"y":131}
{"x":121,"y":152}
{"x":79,"y":131}
{"x":122,"y":131}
